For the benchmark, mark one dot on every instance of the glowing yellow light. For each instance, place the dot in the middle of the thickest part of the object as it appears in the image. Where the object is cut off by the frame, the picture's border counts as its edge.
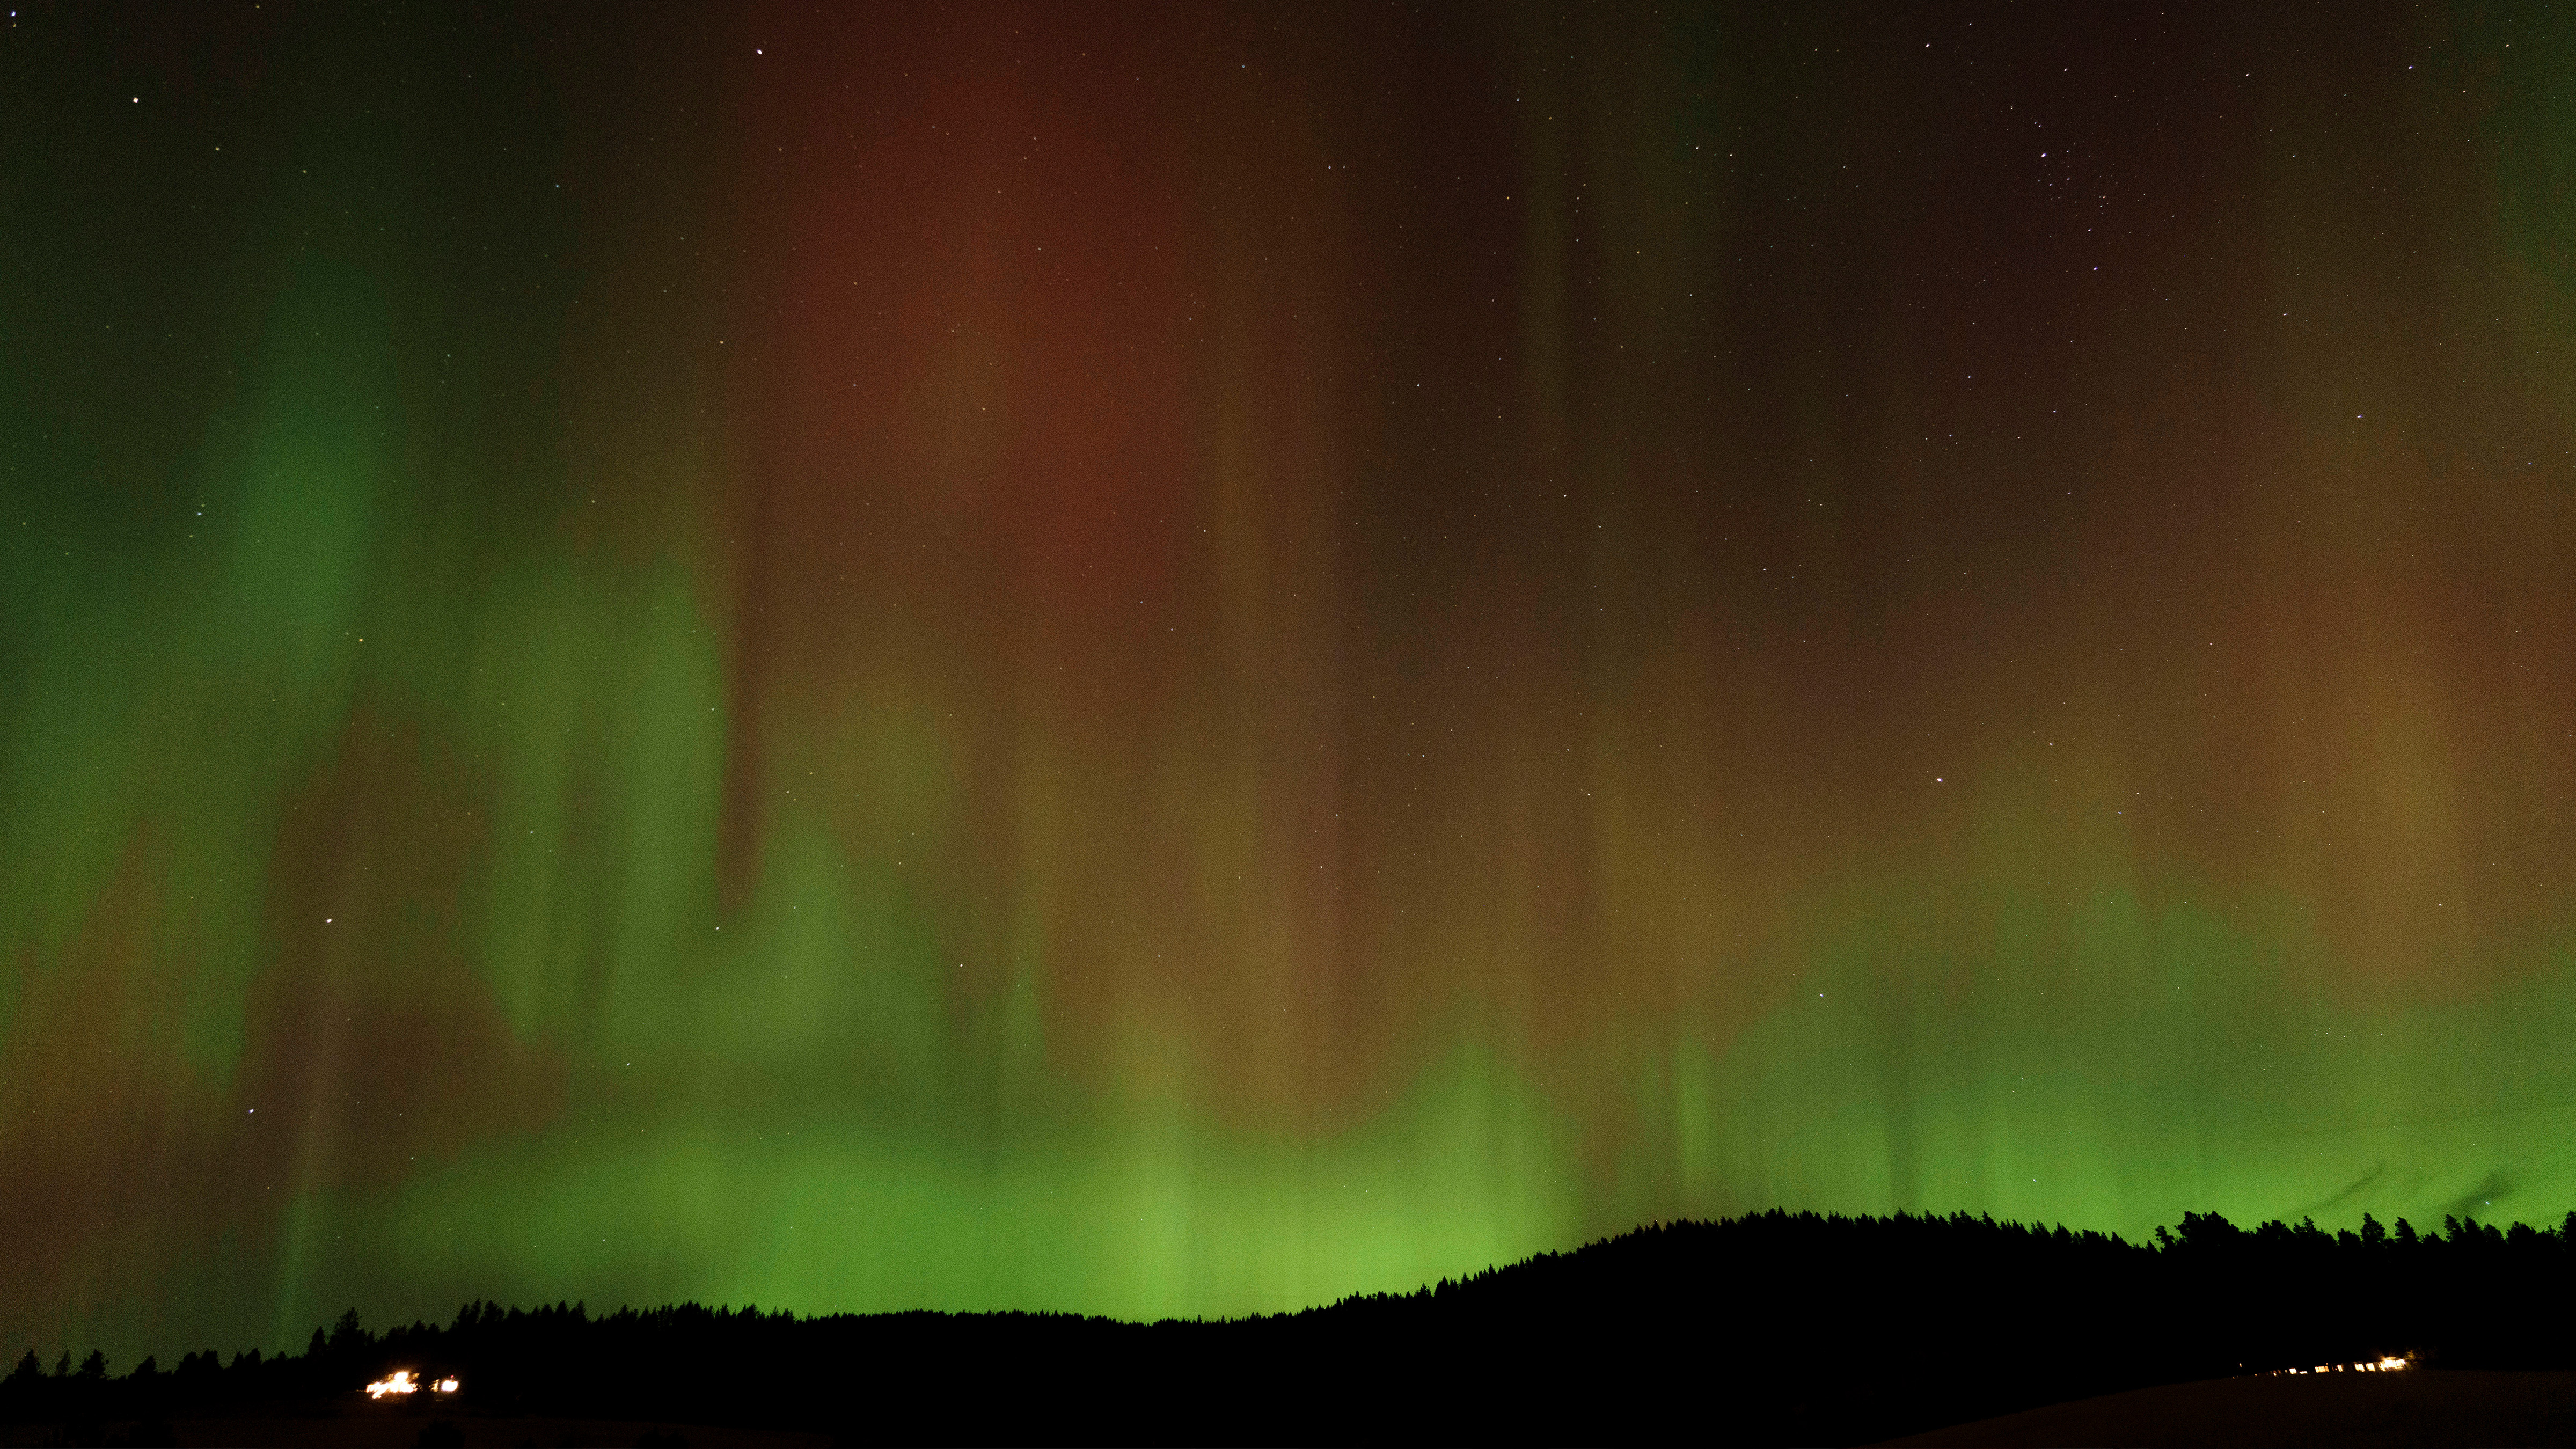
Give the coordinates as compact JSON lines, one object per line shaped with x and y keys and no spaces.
{"x":398,"y":1382}
{"x":446,"y":1385}
{"x":2392,"y":1362}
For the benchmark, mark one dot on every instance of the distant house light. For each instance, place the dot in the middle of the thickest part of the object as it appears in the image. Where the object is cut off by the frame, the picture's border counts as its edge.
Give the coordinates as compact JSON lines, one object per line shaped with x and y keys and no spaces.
{"x":2386,"y":1363}
{"x":401,"y":1381}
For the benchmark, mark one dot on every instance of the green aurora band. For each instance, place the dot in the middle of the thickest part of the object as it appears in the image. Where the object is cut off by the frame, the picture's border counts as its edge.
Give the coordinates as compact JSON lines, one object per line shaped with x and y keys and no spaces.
{"x":1188,"y":662}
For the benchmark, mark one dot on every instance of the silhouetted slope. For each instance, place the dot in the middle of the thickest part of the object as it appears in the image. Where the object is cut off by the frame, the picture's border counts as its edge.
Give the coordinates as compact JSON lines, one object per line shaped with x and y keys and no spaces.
{"x":1778,"y":1327}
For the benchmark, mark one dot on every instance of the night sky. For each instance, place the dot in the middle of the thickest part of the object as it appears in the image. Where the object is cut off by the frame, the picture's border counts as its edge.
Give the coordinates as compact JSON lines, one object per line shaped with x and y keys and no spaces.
{"x":1179,"y":660}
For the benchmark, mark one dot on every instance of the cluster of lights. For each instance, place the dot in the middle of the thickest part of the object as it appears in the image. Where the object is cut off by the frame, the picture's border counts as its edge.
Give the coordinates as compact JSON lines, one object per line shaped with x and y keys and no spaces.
{"x":400,"y":1382}
{"x":2381,"y":1365}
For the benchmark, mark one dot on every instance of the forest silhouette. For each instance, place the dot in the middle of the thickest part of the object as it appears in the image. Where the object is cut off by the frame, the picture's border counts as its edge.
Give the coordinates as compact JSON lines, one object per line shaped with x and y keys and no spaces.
{"x":1771,"y":1328}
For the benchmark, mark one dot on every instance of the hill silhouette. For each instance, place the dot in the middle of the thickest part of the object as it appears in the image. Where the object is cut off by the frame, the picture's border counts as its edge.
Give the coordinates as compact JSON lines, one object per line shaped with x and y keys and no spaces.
{"x":1776,"y":1327}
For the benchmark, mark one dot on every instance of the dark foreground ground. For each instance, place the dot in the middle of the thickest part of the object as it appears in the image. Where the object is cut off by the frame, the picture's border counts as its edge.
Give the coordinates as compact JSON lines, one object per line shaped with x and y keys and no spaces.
{"x":2358,"y":1411}
{"x":2416,"y":1410}
{"x":361,"y":1430}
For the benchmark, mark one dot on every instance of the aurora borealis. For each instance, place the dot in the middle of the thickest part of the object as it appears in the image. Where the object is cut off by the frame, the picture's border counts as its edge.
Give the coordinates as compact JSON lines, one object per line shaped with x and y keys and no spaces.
{"x":1179,"y":660}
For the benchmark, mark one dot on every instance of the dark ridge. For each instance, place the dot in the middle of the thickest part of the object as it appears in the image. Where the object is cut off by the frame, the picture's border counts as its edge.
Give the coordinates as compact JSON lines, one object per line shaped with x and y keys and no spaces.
{"x":1773,"y":1328}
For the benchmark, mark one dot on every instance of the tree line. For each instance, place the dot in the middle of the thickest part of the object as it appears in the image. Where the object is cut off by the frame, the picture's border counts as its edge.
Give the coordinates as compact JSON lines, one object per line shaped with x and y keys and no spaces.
{"x":1775,"y":1326}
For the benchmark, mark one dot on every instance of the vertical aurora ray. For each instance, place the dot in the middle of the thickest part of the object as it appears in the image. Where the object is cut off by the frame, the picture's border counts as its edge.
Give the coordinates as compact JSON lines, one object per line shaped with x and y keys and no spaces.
{"x":1182,"y":662}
